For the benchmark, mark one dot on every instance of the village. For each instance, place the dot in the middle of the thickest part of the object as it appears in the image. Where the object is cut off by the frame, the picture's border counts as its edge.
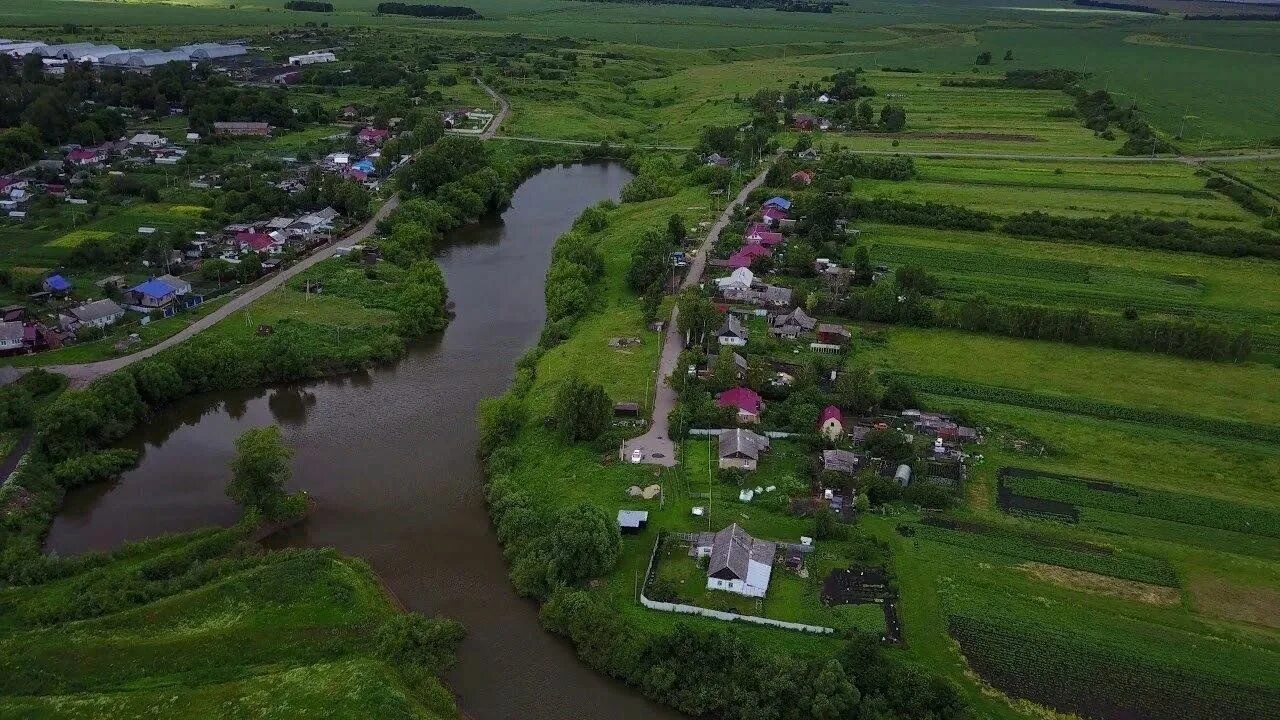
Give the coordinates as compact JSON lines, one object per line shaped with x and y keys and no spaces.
{"x":187,"y":205}
{"x":762,"y":359}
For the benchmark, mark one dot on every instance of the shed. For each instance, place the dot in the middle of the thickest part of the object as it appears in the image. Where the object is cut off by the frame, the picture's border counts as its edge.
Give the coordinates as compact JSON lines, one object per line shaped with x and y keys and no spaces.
{"x":903,"y":475}
{"x":631,"y":522}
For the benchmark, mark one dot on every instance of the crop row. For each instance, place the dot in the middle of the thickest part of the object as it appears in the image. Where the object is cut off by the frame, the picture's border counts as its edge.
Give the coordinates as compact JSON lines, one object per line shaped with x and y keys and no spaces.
{"x":1052,"y":551}
{"x":1237,"y":429}
{"x":1074,"y":674}
{"x":1161,"y":505}
{"x":955,"y":261}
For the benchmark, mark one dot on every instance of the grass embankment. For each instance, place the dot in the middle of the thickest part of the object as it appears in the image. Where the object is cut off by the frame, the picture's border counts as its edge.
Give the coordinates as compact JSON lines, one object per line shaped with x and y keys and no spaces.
{"x":206,"y":625}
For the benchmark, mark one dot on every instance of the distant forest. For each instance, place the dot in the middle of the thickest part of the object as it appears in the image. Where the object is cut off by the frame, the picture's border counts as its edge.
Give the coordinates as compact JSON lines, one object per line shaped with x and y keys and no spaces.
{"x":440,"y":11}
{"x":308,"y":6}
{"x":1129,"y":7}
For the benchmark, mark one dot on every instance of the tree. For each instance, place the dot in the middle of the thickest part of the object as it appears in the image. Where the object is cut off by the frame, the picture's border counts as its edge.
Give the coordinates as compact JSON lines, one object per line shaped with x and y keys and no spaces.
{"x":834,"y":696}
{"x":411,"y":640}
{"x":893,"y":118}
{"x":866,"y":113}
{"x":582,"y":410}
{"x":216,"y":269}
{"x":697,"y":316}
{"x":584,"y":544}
{"x":250,"y":267}
{"x":984,"y":58}
{"x":260,"y":470}
{"x":676,"y":229}
{"x":859,"y":390}
{"x":862,"y":271}
{"x":1008,"y":55}
{"x":898,"y":395}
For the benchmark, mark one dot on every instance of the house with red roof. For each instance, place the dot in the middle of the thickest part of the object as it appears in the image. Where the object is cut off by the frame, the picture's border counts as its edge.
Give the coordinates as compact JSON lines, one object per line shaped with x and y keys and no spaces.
{"x":773,"y":216}
{"x":740,"y":260}
{"x":746,"y":401}
{"x":373,"y":136}
{"x":831,"y":422}
{"x":258,"y":242}
{"x":802,"y":178}
{"x":767,"y":238}
{"x":86,"y":157}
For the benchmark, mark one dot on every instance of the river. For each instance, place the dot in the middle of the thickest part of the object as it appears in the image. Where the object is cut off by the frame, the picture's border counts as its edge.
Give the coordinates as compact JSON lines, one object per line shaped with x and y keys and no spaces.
{"x":390,"y":458}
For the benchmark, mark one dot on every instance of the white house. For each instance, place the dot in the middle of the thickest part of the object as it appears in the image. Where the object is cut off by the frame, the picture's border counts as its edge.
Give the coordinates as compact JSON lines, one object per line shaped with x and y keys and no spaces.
{"x":148,"y":140}
{"x":10,"y":336}
{"x":742,"y":278}
{"x":733,"y":333}
{"x":738,"y":562}
{"x":824,"y":98}
{"x":99,"y":313}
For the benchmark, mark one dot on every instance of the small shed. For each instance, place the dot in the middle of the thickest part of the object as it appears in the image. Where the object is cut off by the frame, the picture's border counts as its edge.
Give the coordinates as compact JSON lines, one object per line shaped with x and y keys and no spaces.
{"x":903,"y":475}
{"x":631,"y":522}
{"x":626,"y":409}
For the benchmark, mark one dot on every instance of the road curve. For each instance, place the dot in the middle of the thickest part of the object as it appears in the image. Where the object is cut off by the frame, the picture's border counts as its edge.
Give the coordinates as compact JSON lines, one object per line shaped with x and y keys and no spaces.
{"x":656,"y":445}
{"x":82,"y":374}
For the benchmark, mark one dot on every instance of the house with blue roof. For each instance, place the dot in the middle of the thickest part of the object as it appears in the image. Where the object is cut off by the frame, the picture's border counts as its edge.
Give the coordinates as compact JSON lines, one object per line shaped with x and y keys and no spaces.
{"x":779,"y":202}
{"x":56,"y":284}
{"x":152,"y":294}
{"x":365,"y":166}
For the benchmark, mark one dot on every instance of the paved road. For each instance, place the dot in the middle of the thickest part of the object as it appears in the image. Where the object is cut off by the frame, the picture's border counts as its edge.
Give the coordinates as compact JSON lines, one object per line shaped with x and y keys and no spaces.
{"x":656,"y":444}
{"x":81,"y":375}
{"x":504,"y":109}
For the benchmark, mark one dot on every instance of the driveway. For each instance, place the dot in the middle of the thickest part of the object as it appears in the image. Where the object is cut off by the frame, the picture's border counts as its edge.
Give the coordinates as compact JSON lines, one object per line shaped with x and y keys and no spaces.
{"x":656,"y":445}
{"x":81,"y":375}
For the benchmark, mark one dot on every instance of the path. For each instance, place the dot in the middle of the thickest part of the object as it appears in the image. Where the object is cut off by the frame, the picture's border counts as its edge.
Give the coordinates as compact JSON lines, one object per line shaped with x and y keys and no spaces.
{"x":656,"y":445}
{"x":81,"y":375}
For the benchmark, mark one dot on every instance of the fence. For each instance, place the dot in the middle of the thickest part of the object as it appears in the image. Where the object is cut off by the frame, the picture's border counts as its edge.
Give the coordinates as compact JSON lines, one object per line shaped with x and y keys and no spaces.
{"x":716,"y":614}
{"x":711,"y":432}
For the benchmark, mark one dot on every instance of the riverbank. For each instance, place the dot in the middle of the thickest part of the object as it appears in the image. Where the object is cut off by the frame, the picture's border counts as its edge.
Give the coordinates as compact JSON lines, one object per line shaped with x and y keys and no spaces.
{"x":390,"y":455}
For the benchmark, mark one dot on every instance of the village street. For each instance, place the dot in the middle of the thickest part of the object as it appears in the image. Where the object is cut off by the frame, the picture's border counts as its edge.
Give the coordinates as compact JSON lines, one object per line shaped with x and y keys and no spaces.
{"x":656,"y":446}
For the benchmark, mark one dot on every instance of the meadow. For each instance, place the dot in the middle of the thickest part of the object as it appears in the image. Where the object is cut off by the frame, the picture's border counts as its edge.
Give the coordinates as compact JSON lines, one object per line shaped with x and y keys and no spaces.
{"x":209,"y":627}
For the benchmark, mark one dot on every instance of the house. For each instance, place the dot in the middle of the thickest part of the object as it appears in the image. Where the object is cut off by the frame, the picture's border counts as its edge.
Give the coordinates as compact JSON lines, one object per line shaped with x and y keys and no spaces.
{"x":148,"y":140}
{"x":99,"y":313}
{"x":9,"y":313}
{"x":831,"y":423}
{"x":804,"y":121}
{"x":288,"y":78}
{"x":740,"y":449}
{"x":313,"y":57}
{"x":765,"y":295}
{"x":242,"y":129}
{"x":802,"y":178}
{"x":717,"y":159}
{"x":733,"y":333}
{"x":842,"y":461}
{"x":631,"y":522}
{"x":11,"y":337}
{"x":373,"y":136}
{"x":350,"y":113}
{"x":152,"y":294}
{"x":258,"y":242}
{"x":791,"y":325}
{"x":193,"y":137}
{"x":780,"y":203}
{"x":56,"y":284}
{"x":941,"y":426}
{"x":808,"y":154}
{"x":740,"y":367}
{"x":88,"y":157}
{"x":738,"y":562}
{"x":747,"y":402}
{"x":773,"y":217}
{"x":180,"y":286}
{"x":740,"y":278}
{"x":766,"y":237}
{"x":9,"y":184}
{"x":824,"y":98}
{"x":829,"y":334}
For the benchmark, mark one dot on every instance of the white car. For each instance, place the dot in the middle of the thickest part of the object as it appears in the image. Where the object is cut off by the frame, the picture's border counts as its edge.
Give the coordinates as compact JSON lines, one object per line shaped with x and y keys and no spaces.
{"x":636,"y":455}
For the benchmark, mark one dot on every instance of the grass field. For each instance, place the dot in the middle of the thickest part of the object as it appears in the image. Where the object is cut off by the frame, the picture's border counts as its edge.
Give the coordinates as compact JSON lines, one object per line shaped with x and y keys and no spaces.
{"x":237,"y":637}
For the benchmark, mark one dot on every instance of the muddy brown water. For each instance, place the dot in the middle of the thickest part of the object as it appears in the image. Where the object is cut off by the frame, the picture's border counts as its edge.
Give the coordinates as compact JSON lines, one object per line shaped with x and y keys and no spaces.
{"x":390,"y":458}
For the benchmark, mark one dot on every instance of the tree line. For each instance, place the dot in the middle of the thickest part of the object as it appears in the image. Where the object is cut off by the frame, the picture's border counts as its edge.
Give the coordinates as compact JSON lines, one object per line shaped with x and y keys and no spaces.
{"x":308,"y":6}
{"x":438,"y":11}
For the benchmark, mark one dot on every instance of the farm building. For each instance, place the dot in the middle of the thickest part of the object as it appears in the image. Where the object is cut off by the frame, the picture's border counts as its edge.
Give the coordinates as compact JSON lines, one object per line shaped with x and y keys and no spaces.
{"x":11,"y":334}
{"x":791,"y":325}
{"x":740,"y":449}
{"x":313,"y":57}
{"x":212,"y":51}
{"x":149,"y":58}
{"x":242,"y":129}
{"x":738,"y":562}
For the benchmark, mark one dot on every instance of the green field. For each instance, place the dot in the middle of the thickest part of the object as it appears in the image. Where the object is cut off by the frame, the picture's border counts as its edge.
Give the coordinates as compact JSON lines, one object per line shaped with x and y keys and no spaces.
{"x":209,"y":628}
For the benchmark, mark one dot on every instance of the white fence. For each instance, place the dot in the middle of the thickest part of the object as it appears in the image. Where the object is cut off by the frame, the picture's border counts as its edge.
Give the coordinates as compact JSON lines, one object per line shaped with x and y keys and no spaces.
{"x":773,"y":434}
